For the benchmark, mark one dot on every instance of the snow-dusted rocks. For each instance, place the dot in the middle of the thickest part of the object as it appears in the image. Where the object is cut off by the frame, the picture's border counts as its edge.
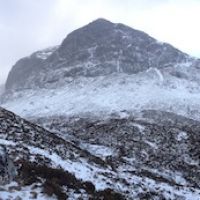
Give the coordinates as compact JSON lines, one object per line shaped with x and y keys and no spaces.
{"x":153,"y":151}
{"x":135,"y":157}
{"x":7,"y":168}
{"x":104,"y":95}
{"x":23,"y":72}
{"x":99,"y":48}
{"x":42,"y":158}
{"x":3,"y":165}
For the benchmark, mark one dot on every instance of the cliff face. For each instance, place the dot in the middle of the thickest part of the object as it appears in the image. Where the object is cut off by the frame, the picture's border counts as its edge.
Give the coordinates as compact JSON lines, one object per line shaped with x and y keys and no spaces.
{"x":23,"y":72}
{"x":99,"y":48}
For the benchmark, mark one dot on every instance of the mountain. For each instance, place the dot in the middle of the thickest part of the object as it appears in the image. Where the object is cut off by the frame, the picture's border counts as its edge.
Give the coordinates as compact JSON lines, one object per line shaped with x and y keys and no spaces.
{"x":99,"y":48}
{"x":141,"y":158}
{"x":112,"y":114}
{"x":104,"y":68}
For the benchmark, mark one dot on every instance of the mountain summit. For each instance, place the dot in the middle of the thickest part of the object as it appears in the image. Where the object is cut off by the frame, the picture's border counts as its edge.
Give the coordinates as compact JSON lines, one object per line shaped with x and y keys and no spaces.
{"x":104,"y":68}
{"x":99,"y":48}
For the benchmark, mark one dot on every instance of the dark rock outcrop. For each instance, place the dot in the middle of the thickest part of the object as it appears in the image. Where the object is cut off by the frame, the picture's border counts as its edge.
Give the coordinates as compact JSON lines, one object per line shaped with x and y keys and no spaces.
{"x":99,"y":48}
{"x":7,"y":168}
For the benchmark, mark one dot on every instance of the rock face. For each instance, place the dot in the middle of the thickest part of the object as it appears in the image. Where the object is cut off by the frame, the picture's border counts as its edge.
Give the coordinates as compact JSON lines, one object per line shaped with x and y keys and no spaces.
{"x":3,"y":165}
{"x":99,"y":48}
{"x":26,"y":68}
{"x":7,"y":169}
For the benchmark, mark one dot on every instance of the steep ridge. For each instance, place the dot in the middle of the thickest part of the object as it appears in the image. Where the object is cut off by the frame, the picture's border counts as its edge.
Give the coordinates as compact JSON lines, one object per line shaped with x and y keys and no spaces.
{"x":28,"y":67}
{"x":99,"y":48}
{"x":141,"y":158}
{"x":37,"y":152}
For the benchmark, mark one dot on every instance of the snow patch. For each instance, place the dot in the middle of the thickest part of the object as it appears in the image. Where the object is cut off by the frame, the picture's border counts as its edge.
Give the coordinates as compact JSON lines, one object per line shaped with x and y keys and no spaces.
{"x":81,"y":169}
{"x":98,"y":150}
{"x":44,"y":54}
{"x":182,"y":136}
{"x":110,"y":94}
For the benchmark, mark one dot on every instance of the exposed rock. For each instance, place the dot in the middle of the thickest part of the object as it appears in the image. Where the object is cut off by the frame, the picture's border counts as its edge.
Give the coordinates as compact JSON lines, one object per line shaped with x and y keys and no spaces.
{"x":7,"y":168}
{"x":99,"y":48}
{"x":132,"y":157}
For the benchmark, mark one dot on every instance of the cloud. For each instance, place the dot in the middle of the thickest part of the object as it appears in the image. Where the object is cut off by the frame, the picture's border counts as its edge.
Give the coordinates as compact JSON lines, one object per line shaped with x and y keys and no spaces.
{"x":30,"y":25}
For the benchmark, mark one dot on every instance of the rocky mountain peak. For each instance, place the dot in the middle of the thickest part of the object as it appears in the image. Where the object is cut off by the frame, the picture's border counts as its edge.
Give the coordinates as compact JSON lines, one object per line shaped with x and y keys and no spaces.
{"x":100,"y":24}
{"x":101,"y":21}
{"x":99,"y":48}
{"x":85,"y":38}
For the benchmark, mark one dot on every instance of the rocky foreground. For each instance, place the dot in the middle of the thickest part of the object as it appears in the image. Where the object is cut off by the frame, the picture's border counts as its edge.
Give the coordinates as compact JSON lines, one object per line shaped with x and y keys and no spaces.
{"x":154,"y":155}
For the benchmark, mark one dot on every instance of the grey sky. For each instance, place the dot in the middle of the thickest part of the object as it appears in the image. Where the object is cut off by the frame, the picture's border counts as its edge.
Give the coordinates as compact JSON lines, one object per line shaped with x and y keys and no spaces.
{"x":30,"y":25}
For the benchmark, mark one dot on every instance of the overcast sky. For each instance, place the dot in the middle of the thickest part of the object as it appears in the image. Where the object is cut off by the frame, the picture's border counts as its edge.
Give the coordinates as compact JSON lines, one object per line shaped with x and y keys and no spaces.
{"x":30,"y":25}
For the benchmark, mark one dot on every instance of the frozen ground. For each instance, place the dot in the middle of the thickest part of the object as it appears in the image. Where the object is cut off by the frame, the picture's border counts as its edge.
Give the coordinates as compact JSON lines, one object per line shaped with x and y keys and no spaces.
{"x":127,"y":155}
{"x":104,"y":95}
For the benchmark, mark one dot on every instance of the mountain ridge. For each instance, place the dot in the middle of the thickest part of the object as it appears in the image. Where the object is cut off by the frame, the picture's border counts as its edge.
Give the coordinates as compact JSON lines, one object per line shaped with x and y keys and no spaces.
{"x":99,"y":48}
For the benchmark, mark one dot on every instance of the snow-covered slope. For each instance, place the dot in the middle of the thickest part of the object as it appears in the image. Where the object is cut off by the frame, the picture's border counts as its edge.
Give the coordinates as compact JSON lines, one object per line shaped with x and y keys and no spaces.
{"x":101,"y":96}
{"x":37,"y":152}
{"x":140,"y":158}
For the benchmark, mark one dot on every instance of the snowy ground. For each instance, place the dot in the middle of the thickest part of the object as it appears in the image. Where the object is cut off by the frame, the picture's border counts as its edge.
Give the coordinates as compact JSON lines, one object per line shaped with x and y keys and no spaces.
{"x":82,"y":169}
{"x":110,"y":94}
{"x":86,"y":172}
{"x":102,"y":96}
{"x":123,"y":170}
{"x":9,"y":192}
